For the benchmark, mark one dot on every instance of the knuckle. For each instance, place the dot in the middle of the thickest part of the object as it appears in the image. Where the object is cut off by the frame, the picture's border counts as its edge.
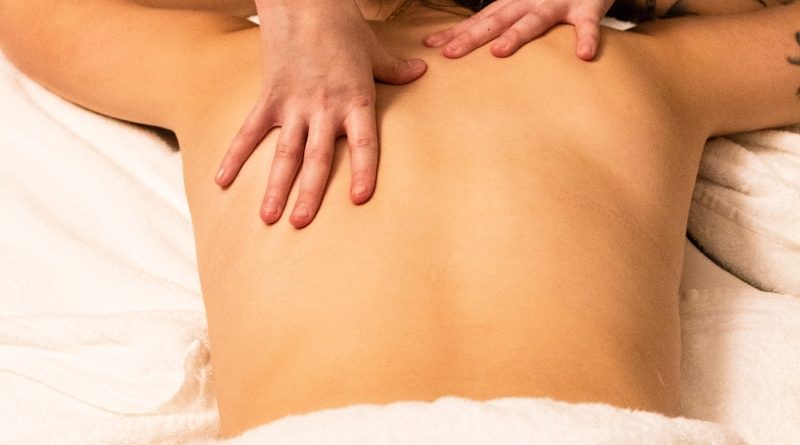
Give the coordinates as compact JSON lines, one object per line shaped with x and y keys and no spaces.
{"x":237,"y":156}
{"x":287,"y":152}
{"x":488,"y":26}
{"x":471,"y":21}
{"x":588,"y":24}
{"x":496,"y":20}
{"x":324,"y":101}
{"x":473,"y":34}
{"x":449,"y":34}
{"x":269,"y":96}
{"x":461,"y":38}
{"x":547,"y":13}
{"x":319,"y":154}
{"x":363,"y":143}
{"x":248,"y":132}
{"x":363,"y":177}
{"x":594,"y":8}
{"x":586,"y":16}
{"x":513,"y":35}
{"x":307,"y":197}
{"x":363,"y":99}
{"x":234,"y":157}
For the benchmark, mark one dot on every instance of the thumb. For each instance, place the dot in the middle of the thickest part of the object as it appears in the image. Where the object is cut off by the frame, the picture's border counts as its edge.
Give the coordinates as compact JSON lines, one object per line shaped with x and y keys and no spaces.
{"x":588,"y":32}
{"x":398,"y":71}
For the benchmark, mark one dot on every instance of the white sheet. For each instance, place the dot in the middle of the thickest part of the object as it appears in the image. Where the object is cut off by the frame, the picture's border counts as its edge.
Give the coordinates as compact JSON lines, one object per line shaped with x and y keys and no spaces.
{"x":102,"y":325}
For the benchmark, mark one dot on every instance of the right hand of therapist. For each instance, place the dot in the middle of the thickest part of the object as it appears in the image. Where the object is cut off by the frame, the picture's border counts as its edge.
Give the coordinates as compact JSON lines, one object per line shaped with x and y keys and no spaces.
{"x":320,"y":59}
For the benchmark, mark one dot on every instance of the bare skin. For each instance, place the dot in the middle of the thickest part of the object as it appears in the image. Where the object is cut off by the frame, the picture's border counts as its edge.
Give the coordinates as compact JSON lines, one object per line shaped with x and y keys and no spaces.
{"x":527,"y":229}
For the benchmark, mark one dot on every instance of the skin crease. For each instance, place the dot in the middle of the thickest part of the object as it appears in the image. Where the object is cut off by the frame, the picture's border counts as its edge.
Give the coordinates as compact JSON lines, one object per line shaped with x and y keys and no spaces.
{"x":527,"y":231}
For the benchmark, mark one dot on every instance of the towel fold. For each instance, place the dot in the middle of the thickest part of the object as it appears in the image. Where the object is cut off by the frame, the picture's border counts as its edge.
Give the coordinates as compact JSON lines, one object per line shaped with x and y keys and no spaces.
{"x":455,"y":420}
{"x":745,"y":211}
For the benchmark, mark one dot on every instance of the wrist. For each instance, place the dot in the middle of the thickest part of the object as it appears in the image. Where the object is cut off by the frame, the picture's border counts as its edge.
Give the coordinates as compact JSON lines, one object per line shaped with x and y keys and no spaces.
{"x":308,"y":15}
{"x":304,"y":7}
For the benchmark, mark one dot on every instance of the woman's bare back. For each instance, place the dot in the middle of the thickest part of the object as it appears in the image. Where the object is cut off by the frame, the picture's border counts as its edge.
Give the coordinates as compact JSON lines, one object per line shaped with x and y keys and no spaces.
{"x":526,"y":233}
{"x":525,"y":239}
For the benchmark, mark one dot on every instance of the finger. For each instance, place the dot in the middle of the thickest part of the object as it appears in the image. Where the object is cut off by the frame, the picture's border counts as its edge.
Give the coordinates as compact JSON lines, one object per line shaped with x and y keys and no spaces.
{"x":362,"y":138}
{"x":523,"y":31}
{"x":397,"y":71}
{"x":588,"y":38}
{"x":252,"y":132}
{"x":314,"y":173}
{"x":441,"y":38}
{"x":483,"y":31}
{"x":285,"y":164}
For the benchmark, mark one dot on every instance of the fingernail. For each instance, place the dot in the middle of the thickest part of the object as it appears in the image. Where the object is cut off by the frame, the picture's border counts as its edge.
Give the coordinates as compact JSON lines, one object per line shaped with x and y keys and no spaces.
{"x":452,"y":50}
{"x":432,"y":41}
{"x":301,"y":212}
{"x":586,"y":50}
{"x":416,"y":64}
{"x":359,"y":190}
{"x":501,"y":43}
{"x":272,"y":208}
{"x":220,"y":173}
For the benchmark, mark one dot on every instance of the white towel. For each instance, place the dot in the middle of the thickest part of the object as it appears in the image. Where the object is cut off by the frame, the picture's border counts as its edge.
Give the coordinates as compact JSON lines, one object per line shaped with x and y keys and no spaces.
{"x":454,"y":420}
{"x":741,"y":361}
{"x":745,"y":210}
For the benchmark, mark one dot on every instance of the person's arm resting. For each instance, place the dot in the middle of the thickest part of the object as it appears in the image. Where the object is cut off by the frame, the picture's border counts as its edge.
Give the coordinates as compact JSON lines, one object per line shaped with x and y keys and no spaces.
{"x":237,"y":8}
{"x":737,"y":72}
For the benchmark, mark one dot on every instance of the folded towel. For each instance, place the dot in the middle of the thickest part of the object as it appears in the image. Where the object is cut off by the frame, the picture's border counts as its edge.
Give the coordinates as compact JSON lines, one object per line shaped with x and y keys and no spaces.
{"x":745,"y":211}
{"x":455,"y":420}
{"x":740,"y":362}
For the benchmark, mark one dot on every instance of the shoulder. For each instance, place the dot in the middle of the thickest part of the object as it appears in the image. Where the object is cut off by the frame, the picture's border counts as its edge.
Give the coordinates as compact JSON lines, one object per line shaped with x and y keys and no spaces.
{"x":220,"y":76}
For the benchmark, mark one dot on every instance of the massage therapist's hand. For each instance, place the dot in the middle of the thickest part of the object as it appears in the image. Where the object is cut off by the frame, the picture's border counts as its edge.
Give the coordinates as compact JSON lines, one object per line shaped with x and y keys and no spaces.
{"x":320,"y":62}
{"x":510,"y":24}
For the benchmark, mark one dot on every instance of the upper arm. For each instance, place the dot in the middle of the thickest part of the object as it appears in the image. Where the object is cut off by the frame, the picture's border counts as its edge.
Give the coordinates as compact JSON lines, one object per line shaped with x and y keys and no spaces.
{"x":238,"y":8}
{"x":732,"y":73}
{"x":117,"y":57}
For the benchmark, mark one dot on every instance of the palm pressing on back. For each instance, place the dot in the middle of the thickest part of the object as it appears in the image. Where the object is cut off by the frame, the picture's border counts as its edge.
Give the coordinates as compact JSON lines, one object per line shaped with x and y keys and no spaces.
{"x":320,"y":60}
